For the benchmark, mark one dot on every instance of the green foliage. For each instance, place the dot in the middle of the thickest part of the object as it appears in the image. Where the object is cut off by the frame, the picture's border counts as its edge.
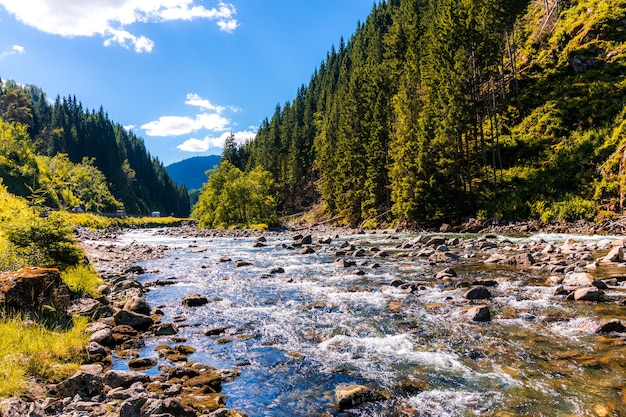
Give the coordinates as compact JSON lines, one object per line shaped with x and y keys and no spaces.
{"x":34,"y":351}
{"x":436,"y":110}
{"x":569,"y":210}
{"x":231,"y":197}
{"x":110,"y":165}
{"x":79,"y":184}
{"x":82,"y":279}
{"x":44,"y":242}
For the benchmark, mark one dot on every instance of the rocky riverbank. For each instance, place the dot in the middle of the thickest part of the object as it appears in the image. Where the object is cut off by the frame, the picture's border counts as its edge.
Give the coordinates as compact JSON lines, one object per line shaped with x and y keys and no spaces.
{"x":122,"y":317}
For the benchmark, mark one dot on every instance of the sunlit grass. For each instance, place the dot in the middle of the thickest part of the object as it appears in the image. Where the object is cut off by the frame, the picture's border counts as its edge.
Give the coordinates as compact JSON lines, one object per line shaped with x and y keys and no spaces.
{"x":82,"y":279}
{"x":96,"y":222}
{"x":30,"y":350}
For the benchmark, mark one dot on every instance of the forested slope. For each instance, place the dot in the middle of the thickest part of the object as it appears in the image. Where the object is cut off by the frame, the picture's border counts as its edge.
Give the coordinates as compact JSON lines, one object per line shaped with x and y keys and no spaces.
{"x":44,"y":143}
{"x":441,"y":109}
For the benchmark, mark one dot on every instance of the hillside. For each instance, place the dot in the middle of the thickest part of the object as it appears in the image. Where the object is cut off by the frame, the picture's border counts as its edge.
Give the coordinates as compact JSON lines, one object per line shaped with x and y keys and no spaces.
{"x":442,"y":110}
{"x":63,"y":155}
{"x":191,"y":172}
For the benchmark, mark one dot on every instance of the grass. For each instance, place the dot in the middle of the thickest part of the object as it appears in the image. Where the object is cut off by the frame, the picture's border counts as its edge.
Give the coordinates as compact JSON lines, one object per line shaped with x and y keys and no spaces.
{"x":82,"y":279}
{"x":30,"y":350}
{"x":94,"y":221}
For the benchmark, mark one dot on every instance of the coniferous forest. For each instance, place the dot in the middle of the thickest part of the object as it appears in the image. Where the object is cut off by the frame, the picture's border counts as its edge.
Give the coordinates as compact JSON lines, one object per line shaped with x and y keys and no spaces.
{"x":63,"y":155}
{"x":439,"y":110}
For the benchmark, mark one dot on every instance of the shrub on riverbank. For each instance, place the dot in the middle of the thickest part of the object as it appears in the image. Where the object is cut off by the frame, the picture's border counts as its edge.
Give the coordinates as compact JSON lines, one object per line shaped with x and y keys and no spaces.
{"x":82,"y":279}
{"x":30,"y":350}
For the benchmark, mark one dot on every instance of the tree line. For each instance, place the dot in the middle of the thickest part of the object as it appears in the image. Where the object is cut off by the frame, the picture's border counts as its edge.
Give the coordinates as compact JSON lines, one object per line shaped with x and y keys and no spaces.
{"x":75,"y":156}
{"x":442,"y":109}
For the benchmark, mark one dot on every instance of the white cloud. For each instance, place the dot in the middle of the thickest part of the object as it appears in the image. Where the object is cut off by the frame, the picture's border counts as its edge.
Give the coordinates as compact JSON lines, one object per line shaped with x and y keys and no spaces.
{"x":203,"y":145}
{"x":181,"y":125}
{"x":211,"y":119}
{"x":195,"y":100}
{"x":108,"y":18}
{"x":15,"y":50}
{"x":125,"y":39}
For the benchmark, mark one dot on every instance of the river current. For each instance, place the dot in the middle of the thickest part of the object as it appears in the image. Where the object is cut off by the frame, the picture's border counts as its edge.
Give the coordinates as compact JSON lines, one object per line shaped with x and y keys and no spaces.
{"x":297,"y":325}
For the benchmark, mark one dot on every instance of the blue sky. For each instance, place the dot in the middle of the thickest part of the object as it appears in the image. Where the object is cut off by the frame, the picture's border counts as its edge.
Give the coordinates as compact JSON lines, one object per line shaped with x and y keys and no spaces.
{"x":182,"y":74}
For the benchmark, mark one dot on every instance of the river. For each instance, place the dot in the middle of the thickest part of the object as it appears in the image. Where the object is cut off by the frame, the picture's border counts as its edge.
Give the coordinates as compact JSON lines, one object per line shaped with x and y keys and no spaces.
{"x":297,"y":325}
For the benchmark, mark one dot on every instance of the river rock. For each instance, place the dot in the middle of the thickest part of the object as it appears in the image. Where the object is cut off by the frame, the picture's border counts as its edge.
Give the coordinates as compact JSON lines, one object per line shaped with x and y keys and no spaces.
{"x":137,"y":305}
{"x":478,"y":293}
{"x":86,"y":383}
{"x":578,"y":279}
{"x":135,"y":320}
{"x":165,"y":329}
{"x":206,"y":382}
{"x":479,"y":313}
{"x":345,"y":263}
{"x":446,"y":273}
{"x":33,"y":288}
{"x":610,"y":326}
{"x":118,"y":378}
{"x":195,"y":300}
{"x":16,"y":407}
{"x":307,"y":250}
{"x":142,"y":363}
{"x":587,"y":294}
{"x":352,"y":395}
{"x":615,"y":255}
{"x":96,"y":352}
{"x":135,"y":269}
{"x":127,"y":284}
{"x":240,"y":263}
{"x":120,"y":393}
{"x":171,"y":406}
{"x":523,"y":260}
{"x":103,"y":336}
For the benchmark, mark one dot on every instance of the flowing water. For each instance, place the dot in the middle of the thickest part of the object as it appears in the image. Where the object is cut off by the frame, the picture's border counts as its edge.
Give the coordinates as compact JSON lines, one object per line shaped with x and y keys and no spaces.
{"x":296,"y":335}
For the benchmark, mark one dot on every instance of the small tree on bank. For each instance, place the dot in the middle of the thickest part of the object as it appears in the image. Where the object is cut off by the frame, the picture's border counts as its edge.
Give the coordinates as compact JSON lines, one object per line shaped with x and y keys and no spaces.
{"x":232,"y":197}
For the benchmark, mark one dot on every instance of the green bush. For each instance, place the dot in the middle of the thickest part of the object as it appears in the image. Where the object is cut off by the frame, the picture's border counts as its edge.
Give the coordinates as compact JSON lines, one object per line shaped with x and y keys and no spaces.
{"x":571,"y":209}
{"x":44,"y":242}
{"x":82,"y":279}
{"x":231,"y":197}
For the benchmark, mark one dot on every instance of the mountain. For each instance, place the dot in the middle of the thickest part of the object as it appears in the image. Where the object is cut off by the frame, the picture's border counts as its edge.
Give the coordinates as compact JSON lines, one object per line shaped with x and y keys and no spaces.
{"x":439,"y":110}
{"x":191,"y":172}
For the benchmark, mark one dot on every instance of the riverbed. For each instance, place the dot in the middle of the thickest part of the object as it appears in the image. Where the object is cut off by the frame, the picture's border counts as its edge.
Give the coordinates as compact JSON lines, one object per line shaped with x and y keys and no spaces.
{"x":296,"y":325}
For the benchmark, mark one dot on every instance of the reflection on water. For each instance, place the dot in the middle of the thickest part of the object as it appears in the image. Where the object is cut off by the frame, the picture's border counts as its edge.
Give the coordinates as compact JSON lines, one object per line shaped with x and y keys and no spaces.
{"x":297,"y":334}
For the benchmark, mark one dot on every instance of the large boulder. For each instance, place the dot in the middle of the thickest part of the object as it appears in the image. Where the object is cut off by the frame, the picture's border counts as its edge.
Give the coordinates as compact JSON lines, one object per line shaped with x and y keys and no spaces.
{"x":33,"y":288}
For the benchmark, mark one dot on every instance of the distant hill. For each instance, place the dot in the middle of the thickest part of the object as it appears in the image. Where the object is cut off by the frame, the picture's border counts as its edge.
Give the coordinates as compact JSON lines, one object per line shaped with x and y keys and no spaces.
{"x":191,"y":172}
